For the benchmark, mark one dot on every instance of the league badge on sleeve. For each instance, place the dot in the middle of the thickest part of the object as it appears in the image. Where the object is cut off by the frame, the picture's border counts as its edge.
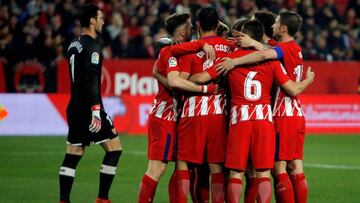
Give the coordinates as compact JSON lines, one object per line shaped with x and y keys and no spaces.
{"x":95,"y":58}
{"x":172,"y":62}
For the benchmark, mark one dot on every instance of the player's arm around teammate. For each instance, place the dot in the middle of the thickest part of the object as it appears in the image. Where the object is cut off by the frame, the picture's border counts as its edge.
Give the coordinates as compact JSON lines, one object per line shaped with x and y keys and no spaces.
{"x":163,"y":117}
{"x":289,"y":118}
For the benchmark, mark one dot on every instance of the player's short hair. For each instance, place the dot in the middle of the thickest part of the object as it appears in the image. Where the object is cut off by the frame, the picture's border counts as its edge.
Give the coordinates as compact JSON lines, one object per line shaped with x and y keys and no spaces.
{"x":238,"y":24}
{"x":86,"y":13}
{"x":254,"y":29}
{"x":291,"y":20}
{"x":208,"y":19}
{"x":267,"y":18}
{"x":222,"y":29}
{"x":174,"y":21}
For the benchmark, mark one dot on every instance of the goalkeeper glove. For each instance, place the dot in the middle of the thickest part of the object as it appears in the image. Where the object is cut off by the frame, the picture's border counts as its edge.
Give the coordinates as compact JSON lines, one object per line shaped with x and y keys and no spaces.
{"x":95,"y":125}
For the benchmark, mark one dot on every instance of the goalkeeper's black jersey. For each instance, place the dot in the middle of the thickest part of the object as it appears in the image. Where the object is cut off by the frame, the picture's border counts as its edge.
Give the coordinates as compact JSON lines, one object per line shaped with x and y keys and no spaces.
{"x":85,"y":62}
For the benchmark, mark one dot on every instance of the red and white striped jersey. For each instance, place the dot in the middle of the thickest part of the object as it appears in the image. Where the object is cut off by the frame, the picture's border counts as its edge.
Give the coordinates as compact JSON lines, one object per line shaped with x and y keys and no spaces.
{"x":248,"y":112}
{"x":289,"y":54}
{"x":202,"y":105}
{"x":165,"y":106}
{"x":250,"y":88}
{"x":165,"y":110}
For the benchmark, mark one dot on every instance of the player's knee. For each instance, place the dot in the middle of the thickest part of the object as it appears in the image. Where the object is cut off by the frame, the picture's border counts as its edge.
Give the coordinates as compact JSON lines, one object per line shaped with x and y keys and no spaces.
{"x":162,"y":169}
{"x":263,"y":173}
{"x":79,"y":151}
{"x":295,"y":167}
{"x":112,"y":145}
{"x":215,"y":168}
{"x":181,"y":165}
{"x":156,"y":170}
{"x":236,"y":174}
{"x":280,"y":167}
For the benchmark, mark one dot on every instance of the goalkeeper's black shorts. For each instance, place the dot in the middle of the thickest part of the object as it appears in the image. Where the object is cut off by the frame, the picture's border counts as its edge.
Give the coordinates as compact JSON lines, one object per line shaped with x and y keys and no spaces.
{"x":79,"y":134}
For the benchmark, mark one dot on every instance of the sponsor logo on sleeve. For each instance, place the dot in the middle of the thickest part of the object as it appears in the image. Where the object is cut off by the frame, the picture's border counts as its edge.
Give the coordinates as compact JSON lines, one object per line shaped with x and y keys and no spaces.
{"x":95,"y":58}
{"x":172,"y":62}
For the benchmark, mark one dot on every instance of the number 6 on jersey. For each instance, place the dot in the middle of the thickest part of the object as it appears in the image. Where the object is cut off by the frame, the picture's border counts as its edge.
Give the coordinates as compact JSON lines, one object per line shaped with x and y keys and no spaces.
{"x":251,"y":84}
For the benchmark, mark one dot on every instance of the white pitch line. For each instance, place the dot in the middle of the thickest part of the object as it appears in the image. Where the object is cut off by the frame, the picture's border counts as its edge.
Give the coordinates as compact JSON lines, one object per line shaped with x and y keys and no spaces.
{"x":329,"y":166}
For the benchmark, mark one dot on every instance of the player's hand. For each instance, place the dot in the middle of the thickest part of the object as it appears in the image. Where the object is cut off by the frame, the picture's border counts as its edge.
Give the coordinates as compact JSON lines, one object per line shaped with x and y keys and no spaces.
{"x":310,"y":75}
{"x":225,"y":66}
{"x":220,"y":70}
{"x":163,"y":42}
{"x":245,"y":40}
{"x":95,"y":125}
{"x":210,"y":52}
{"x":213,"y":71}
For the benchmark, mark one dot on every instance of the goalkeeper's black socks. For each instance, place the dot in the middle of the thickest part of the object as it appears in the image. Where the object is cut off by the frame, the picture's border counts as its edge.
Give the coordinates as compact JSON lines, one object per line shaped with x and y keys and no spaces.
{"x":107,"y":173}
{"x":66,"y":175}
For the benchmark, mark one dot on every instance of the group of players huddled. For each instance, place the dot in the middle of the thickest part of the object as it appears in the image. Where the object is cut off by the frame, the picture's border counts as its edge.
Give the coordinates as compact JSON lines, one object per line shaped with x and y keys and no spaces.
{"x":226,"y":107}
{"x":223,"y":109}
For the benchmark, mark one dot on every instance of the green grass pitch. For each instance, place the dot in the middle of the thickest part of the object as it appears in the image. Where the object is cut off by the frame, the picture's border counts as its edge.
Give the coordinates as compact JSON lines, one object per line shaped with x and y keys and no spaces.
{"x":29,"y":170}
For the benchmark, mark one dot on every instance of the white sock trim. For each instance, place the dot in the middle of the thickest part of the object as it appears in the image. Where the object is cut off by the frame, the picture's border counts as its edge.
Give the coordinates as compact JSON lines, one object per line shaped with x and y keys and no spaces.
{"x":111,"y":170}
{"x":66,"y":171}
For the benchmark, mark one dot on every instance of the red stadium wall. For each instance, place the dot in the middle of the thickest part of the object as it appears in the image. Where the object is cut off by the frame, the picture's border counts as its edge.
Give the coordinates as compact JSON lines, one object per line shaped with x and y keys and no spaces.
{"x":135,"y":77}
{"x":334,"y":77}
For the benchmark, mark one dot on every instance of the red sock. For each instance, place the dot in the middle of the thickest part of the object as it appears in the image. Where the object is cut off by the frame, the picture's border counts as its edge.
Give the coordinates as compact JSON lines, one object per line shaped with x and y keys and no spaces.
{"x":251,"y":190}
{"x":182,"y":186}
{"x":217,"y":188}
{"x":147,"y":189}
{"x":300,"y":187}
{"x":264,"y":190}
{"x":172,"y":188}
{"x":283,"y":189}
{"x":234,"y":190}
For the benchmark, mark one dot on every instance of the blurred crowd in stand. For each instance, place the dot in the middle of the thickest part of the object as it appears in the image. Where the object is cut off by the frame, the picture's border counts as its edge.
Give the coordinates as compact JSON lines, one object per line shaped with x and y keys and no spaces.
{"x":37,"y":32}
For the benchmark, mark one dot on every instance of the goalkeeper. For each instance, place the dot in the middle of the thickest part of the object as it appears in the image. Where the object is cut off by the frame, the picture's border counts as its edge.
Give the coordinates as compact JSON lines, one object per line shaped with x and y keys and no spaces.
{"x":87,"y":119}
